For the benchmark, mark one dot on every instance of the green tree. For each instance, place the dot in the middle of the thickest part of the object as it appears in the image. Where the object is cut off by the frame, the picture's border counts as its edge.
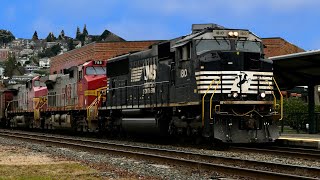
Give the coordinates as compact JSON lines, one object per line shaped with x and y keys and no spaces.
{"x":11,"y":66}
{"x":50,"y":52}
{"x":78,"y":33}
{"x":85,"y":31}
{"x":51,"y":37}
{"x":35,"y":36}
{"x":56,"y":49}
{"x":70,"y":45}
{"x":295,"y":112}
{"x":61,"y":35}
{"x":6,"y":36}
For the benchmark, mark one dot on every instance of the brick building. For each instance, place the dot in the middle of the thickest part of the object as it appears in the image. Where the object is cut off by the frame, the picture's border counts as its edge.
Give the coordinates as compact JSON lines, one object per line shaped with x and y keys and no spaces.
{"x":95,"y":51}
{"x":104,"y":50}
{"x":276,"y":46}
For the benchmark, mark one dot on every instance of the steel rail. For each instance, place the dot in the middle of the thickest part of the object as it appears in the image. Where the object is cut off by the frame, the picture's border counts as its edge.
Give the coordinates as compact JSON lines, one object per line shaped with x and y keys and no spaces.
{"x":200,"y":161}
{"x":282,"y":151}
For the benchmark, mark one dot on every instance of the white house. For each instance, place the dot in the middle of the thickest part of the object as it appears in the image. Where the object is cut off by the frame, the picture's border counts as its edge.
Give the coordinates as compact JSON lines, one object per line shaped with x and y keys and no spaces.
{"x":44,"y":62}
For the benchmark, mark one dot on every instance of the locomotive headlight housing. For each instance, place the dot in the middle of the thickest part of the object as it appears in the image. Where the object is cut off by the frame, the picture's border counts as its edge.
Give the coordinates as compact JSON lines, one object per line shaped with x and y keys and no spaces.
{"x":263,"y":95}
{"x":235,"y":33}
{"x":235,"y":94}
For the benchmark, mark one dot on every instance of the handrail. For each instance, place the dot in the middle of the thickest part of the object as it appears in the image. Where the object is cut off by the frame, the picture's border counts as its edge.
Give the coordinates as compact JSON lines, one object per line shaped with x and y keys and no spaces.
{"x":281,"y":99}
{"x":6,"y":111}
{"x":212,"y":97}
{"x":203,"y":101}
{"x":139,"y":85}
{"x":43,"y":103}
{"x":274,"y":96}
{"x":94,"y":106}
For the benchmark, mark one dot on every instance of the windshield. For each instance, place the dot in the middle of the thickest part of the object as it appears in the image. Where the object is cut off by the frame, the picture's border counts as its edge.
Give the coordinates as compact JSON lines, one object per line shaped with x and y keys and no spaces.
{"x":96,"y":70}
{"x":205,"y":45}
{"x":248,"y":46}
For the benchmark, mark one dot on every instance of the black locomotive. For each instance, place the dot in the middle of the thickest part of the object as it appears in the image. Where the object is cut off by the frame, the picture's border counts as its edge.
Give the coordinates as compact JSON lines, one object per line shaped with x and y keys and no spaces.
{"x":212,"y":83}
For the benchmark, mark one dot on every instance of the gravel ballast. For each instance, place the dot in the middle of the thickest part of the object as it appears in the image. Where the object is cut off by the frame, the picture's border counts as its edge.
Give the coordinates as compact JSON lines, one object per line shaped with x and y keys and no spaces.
{"x":116,"y":167}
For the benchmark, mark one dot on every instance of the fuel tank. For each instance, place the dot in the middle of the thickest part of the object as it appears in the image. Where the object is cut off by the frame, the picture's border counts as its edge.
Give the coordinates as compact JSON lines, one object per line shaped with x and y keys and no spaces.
{"x":139,"y":121}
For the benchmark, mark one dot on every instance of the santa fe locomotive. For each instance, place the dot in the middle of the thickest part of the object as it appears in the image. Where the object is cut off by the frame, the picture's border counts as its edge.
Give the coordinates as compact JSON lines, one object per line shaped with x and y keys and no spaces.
{"x":212,"y":83}
{"x":58,"y":101}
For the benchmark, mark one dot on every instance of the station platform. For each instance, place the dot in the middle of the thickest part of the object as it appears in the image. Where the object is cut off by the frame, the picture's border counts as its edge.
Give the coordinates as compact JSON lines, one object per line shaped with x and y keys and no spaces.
{"x":304,"y":140}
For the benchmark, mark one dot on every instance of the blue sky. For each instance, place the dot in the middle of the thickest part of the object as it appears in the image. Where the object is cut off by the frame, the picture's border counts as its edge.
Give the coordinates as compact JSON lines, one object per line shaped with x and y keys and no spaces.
{"x":297,"y":21}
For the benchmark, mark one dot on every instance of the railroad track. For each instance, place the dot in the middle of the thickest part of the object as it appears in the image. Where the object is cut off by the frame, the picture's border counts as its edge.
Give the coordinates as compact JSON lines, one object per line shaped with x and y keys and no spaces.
{"x":302,"y":153}
{"x":225,"y":165}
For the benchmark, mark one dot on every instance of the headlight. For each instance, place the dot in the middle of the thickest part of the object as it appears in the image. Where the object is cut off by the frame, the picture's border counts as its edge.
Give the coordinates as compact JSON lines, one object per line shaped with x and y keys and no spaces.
{"x":263,"y":95}
{"x":235,"y":95}
{"x":235,"y":34}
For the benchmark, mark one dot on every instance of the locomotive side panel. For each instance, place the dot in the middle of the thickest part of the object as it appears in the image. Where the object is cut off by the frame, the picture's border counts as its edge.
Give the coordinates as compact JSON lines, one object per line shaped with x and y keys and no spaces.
{"x":23,"y":98}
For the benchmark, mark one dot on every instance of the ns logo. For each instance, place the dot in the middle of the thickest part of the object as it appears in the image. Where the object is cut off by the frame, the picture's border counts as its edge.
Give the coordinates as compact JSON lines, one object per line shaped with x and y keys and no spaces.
{"x":150,"y":72}
{"x":149,"y":76}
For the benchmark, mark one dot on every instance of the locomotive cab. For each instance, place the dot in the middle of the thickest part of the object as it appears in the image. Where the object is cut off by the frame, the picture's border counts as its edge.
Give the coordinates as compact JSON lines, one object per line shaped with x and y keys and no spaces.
{"x":92,"y":76}
{"x":91,"y":83}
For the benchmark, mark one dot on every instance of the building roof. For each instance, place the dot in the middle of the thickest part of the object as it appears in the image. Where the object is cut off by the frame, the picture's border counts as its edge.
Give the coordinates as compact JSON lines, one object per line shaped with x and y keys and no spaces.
{"x":108,"y":36}
{"x":275,"y":46}
{"x":298,"y":69}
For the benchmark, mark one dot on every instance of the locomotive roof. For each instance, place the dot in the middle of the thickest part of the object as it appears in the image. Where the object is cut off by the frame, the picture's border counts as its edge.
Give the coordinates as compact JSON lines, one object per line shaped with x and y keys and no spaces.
{"x":119,"y":57}
{"x":182,"y":40}
{"x":199,"y":33}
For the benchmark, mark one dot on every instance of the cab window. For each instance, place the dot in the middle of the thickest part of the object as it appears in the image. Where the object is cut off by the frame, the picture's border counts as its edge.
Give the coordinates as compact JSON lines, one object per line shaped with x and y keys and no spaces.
{"x":98,"y":70}
{"x":184,"y":52}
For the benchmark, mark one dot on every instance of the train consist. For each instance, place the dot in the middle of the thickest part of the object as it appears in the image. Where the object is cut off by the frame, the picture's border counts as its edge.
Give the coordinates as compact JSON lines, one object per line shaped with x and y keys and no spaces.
{"x":212,"y":83}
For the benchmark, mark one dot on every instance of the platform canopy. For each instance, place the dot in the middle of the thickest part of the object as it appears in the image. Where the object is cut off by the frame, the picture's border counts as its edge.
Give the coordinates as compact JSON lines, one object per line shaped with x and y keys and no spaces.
{"x":298,"y":69}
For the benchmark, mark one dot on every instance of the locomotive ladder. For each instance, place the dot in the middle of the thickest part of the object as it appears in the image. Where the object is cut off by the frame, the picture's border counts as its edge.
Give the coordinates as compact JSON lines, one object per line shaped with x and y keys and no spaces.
{"x":39,"y":102}
{"x":203,"y":99}
{"x":92,"y":109}
{"x":275,"y":99}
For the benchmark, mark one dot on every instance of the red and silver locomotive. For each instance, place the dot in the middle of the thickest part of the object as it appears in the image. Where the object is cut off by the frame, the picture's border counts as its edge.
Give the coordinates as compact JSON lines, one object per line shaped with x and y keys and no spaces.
{"x":68,"y":100}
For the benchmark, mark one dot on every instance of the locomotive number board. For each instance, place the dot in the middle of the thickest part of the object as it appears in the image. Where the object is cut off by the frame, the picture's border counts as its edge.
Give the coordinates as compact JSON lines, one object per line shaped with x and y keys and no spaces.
{"x":98,"y":62}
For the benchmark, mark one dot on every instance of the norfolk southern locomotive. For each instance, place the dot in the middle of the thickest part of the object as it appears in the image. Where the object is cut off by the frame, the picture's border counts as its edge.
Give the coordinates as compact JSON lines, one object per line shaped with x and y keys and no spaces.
{"x":212,"y":83}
